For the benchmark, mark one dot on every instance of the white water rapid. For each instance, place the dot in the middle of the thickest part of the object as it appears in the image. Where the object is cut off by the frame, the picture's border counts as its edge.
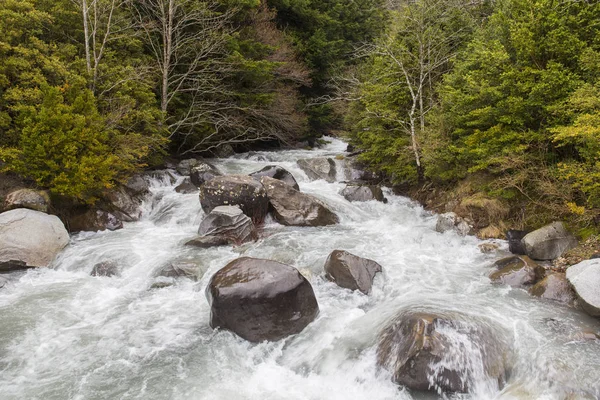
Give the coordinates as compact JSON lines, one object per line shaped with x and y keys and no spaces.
{"x":67,"y":335}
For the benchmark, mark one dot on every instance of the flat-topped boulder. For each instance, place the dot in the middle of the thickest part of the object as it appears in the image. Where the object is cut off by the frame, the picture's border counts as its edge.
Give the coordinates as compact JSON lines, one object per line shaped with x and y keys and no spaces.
{"x":232,"y":190}
{"x":30,"y":237}
{"x":277,"y":172}
{"x":318,"y":168}
{"x":585,"y":280}
{"x":350,"y":271}
{"x":260,"y":299}
{"x":291,"y":207}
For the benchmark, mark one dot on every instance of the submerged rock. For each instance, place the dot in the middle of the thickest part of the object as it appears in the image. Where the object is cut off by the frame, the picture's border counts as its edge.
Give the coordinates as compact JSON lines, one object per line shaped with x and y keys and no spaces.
{"x":240,"y":190}
{"x":554,"y":287}
{"x":355,"y":192}
{"x":350,"y":271}
{"x":548,"y":242}
{"x":291,"y":207}
{"x":260,"y":299}
{"x":318,"y":168}
{"x":181,"y":269}
{"x":31,"y":237}
{"x":444,"y":352}
{"x":106,"y":268}
{"x":32,"y":199}
{"x":277,"y":172}
{"x":93,"y":221}
{"x":452,"y":222}
{"x":517,"y":271}
{"x":585,"y":279}
{"x":230,"y":223}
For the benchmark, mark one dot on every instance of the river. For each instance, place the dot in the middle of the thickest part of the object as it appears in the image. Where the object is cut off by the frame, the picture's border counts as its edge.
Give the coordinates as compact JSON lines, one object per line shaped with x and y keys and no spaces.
{"x":67,"y":335}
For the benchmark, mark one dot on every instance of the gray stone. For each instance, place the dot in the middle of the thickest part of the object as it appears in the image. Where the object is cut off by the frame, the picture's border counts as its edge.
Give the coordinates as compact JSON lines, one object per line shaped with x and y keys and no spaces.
{"x":554,"y":287}
{"x":181,"y":269}
{"x":355,"y":171}
{"x":276,"y":172}
{"x":260,"y":299}
{"x":206,"y":242}
{"x":228,"y":222}
{"x":124,"y":205}
{"x":106,"y":268}
{"x":186,"y":187}
{"x":363,"y":193}
{"x":202,"y":173}
{"x":93,"y":221}
{"x":585,"y":279}
{"x":31,"y":237}
{"x":37,"y":200}
{"x":185,"y":166}
{"x":350,"y":271}
{"x":137,"y":185}
{"x":452,"y":222}
{"x":318,"y":168}
{"x":291,"y":207}
{"x":548,"y":242}
{"x":517,"y":271}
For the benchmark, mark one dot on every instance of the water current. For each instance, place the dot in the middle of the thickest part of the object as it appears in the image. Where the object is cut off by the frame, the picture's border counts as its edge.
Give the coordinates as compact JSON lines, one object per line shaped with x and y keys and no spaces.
{"x":67,"y":335}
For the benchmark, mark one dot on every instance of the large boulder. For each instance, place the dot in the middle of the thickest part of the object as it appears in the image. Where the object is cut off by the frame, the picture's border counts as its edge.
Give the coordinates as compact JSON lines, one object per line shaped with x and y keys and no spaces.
{"x":517,"y":271}
{"x":554,"y":287}
{"x":94,"y":220}
{"x":31,"y":237}
{"x":32,"y":199}
{"x":240,"y":190}
{"x":260,"y":299}
{"x":452,"y":222}
{"x":319,"y":168}
{"x":585,"y":279}
{"x":291,"y":207}
{"x":277,"y":172}
{"x":441,"y":352}
{"x":350,"y":271}
{"x":203,"y":172}
{"x":355,"y":192}
{"x":514,"y":238}
{"x":548,"y":242}
{"x":228,"y":222}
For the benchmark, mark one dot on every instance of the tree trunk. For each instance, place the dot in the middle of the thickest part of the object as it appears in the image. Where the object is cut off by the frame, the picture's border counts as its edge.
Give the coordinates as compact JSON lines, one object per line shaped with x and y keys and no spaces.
{"x":86,"y":34}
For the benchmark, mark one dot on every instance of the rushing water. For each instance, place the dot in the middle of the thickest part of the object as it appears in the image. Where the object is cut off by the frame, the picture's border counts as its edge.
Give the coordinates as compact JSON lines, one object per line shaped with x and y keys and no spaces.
{"x":67,"y":335}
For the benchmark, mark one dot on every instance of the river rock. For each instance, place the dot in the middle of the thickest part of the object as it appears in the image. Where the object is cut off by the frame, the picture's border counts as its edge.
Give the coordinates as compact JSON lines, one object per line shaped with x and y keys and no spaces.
{"x":203,"y":172}
{"x":124,"y":205}
{"x":186,"y":187}
{"x":548,"y":242}
{"x":37,"y":200}
{"x":224,"y":150}
{"x":276,"y":172}
{"x":137,"y":185}
{"x":185,"y":166}
{"x":452,"y":222}
{"x":363,"y":193}
{"x":94,"y":220}
{"x":355,"y":171}
{"x":318,"y":168}
{"x":515,"y":244}
{"x":350,"y":271}
{"x":463,"y":350}
{"x":228,"y":222}
{"x":517,"y":271}
{"x":585,"y":279}
{"x":554,"y":287}
{"x":240,"y":190}
{"x":206,"y":242}
{"x":291,"y":207}
{"x":106,"y":268}
{"x":260,"y":299}
{"x":181,"y":269}
{"x":31,"y":237}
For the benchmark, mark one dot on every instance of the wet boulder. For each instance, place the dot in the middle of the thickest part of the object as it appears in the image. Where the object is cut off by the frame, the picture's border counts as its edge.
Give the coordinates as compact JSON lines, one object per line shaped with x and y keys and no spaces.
{"x":124,"y":205}
{"x":554,"y":287}
{"x":94,"y":220}
{"x":291,"y":207}
{"x":230,"y":223}
{"x":452,"y":222}
{"x":260,"y":299}
{"x":181,"y":269}
{"x":31,"y":237}
{"x":441,"y":352}
{"x":206,"y":242}
{"x":240,"y":190}
{"x":32,"y":199}
{"x":363,"y":193}
{"x":585,"y":280}
{"x":186,"y":187}
{"x":517,"y":271}
{"x":137,"y":185}
{"x":277,"y":172}
{"x":548,"y":242}
{"x":318,"y":168}
{"x":514,"y":238}
{"x":203,"y":172}
{"x":350,"y":271}
{"x":106,"y":268}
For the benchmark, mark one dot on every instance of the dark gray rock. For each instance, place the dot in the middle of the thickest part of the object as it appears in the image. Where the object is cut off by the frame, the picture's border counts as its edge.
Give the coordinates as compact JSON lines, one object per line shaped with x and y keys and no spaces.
{"x":554,"y":287}
{"x":363,"y":193}
{"x":37,"y":200}
{"x":93,"y":221}
{"x":350,"y":271}
{"x":276,"y":172}
{"x":595,"y":256}
{"x":137,"y":185}
{"x":106,"y":268}
{"x":186,"y":187}
{"x":416,"y":341}
{"x":181,"y":269}
{"x":260,"y":299}
{"x":185,"y":166}
{"x":318,"y":168}
{"x":517,"y":271}
{"x":206,"y":242}
{"x":124,"y":205}
{"x":548,"y":242}
{"x":585,"y":280}
{"x":291,"y":207}
{"x":202,"y":173}
{"x":230,"y":223}
{"x":240,"y":190}
{"x":514,"y":237}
